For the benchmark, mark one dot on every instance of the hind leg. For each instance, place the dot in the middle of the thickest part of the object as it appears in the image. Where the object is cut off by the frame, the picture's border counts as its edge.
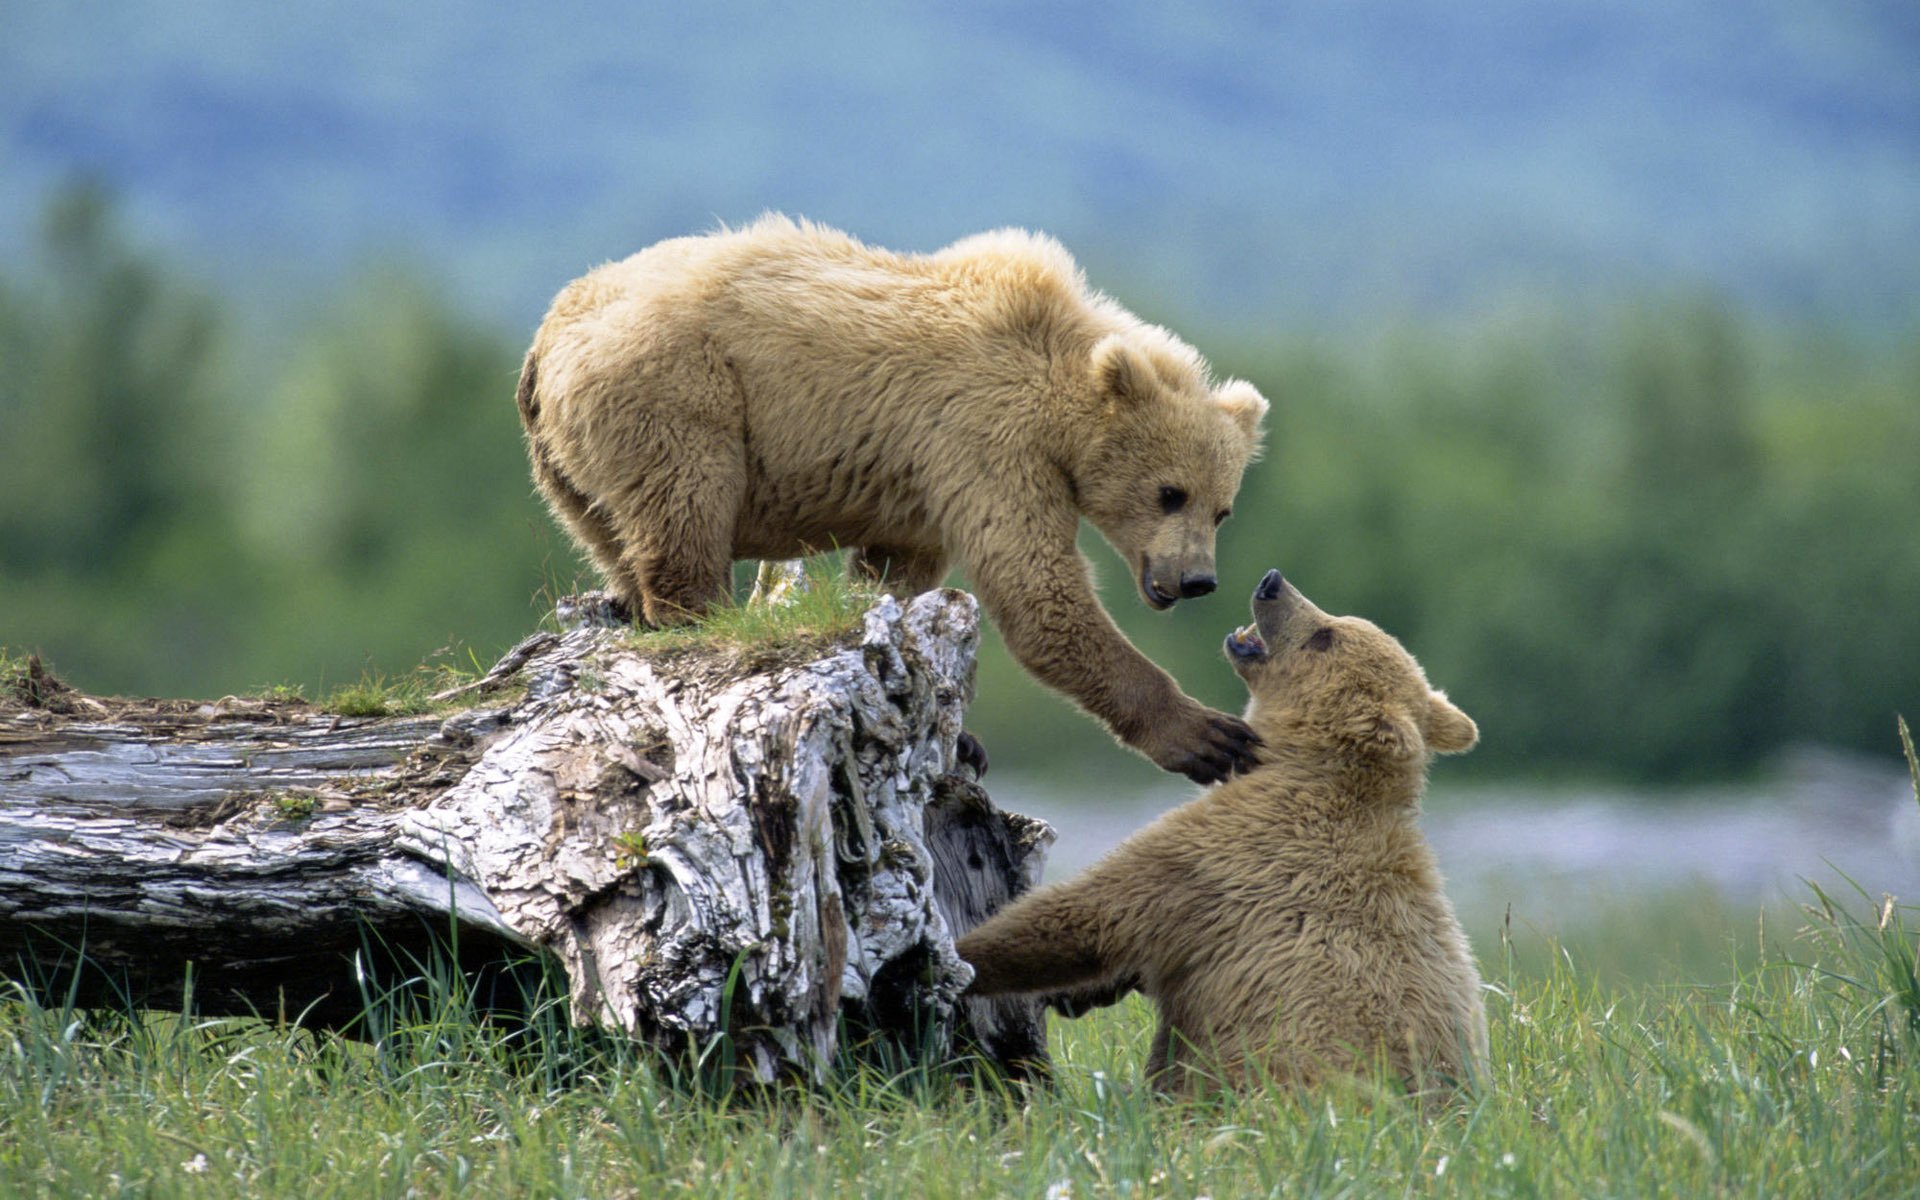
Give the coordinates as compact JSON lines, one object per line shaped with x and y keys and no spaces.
{"x":589,"y":528}
{"x":905,"y":573}
{"x":1160,"y":1058}
{"x":675,"y":529}
{"x":654,"y":438}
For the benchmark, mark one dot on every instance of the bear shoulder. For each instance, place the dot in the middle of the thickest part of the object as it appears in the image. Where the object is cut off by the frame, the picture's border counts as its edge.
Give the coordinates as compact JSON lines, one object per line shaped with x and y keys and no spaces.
{"x":1016,"y":251}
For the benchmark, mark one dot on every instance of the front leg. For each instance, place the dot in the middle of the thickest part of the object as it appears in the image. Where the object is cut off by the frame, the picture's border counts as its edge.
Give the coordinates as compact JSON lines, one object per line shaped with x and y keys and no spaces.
{"x":1046,"y":610}
{"x":1045,"y":941}
{"x":1078,"y":1001}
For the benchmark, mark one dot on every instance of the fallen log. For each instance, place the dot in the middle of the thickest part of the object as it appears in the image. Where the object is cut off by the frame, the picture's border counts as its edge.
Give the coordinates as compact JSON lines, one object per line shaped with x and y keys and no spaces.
{"x":771,"y":845}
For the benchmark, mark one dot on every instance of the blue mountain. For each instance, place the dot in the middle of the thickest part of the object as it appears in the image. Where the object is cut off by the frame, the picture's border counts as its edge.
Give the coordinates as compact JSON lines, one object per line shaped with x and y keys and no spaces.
{"x":1317,"y":164}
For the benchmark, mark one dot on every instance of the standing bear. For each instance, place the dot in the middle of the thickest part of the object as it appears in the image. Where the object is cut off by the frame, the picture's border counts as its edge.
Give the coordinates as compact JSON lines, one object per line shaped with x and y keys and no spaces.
{"x":782,"y":389}
{"x":1291,"y":922}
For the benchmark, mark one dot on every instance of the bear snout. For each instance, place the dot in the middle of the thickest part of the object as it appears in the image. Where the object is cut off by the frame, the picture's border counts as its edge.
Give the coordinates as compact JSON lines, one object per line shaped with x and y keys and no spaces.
{"x":1156,"y":597}
{"x":1197,"y":583}
{"x":1276,"y":605}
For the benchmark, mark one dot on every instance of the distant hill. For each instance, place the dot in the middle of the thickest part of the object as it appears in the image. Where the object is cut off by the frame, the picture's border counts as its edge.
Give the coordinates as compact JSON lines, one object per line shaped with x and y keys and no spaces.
{"x":1317,"y":164}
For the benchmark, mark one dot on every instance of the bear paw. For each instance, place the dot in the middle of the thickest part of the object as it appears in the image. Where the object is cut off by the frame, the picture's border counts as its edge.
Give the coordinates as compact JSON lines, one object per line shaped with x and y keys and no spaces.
{"x":1205,"y":745}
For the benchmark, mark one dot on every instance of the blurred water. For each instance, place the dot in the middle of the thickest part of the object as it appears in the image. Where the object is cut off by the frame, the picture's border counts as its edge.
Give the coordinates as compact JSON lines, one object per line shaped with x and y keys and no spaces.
{"x":1818,"y":814}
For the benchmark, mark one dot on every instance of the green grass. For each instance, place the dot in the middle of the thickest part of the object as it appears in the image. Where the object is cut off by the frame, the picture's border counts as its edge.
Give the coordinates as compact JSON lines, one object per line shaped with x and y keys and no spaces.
{"x":25,"y":680}
{"x":827,"y":609}
{"x":13,"y":672}
{"x":376,"y":694}
{"x":1731,"y":1064}
{"x":1798,"y":1076}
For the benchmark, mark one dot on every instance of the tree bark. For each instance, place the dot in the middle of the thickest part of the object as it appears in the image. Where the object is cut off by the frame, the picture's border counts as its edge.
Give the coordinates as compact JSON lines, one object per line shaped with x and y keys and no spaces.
{"x":772,"y":844}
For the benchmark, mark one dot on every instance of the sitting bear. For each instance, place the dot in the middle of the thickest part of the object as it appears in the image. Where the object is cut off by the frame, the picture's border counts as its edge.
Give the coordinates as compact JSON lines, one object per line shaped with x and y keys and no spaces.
{"x":1289,"y":923}
{"x":781,"y":389}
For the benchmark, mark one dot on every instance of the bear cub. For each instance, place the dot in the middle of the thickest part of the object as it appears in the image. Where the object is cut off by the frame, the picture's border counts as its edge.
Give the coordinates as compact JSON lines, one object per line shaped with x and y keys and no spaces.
{"x":782,"y":389}
{"x":1290,"y":923}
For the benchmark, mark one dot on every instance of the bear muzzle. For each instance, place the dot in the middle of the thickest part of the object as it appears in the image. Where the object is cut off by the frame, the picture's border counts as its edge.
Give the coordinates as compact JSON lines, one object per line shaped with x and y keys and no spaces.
{"x":1191,"y":583}
{"x":1276,"y":603}
{"x":1156,"y":597}
{"x":1246,"y":645}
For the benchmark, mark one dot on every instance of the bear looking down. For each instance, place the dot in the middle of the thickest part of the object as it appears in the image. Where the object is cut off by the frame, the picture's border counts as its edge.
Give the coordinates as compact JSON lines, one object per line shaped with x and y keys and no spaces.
{"x":782,"y":389}
{"x":1291,"y":922}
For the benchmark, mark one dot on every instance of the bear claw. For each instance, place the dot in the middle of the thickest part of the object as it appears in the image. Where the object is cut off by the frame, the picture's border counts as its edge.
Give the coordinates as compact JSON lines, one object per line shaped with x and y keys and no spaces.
{"x":1227,"y":749}
{"x":968,"y":752}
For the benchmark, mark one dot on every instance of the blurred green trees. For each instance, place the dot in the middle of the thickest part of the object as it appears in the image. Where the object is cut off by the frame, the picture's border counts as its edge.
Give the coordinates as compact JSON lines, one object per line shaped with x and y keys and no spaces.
{"x":180,"y":514}
{"x":1656,"y":544}
{"x":1659,"y":543}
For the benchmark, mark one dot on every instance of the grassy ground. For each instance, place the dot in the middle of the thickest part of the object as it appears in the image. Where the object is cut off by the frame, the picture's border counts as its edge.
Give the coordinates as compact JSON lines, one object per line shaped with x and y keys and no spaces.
{"x":1640,"y":1046}
{"x":821,"y":608}
{"x":1796,"y":1073}
{"x":1648,"y":1046}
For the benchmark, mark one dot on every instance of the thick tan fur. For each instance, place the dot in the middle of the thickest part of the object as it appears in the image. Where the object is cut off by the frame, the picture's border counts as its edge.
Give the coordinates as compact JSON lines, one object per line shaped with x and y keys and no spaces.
{"x":1290,"y":923}
{"x":781,"y":389}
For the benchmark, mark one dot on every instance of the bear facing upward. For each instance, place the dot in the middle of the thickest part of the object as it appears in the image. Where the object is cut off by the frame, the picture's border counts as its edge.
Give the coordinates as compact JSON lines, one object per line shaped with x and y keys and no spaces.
{"x":1289,"y":923}
{"x":782,"y":389}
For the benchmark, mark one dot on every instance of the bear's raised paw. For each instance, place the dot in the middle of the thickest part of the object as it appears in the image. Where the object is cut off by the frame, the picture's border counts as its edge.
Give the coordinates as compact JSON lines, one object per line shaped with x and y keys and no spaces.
{"x":1205,"y":745}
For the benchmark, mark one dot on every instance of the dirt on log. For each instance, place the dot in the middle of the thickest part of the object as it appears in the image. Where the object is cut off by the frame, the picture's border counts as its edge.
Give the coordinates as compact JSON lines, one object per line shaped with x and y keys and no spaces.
{"x":778,"y":851}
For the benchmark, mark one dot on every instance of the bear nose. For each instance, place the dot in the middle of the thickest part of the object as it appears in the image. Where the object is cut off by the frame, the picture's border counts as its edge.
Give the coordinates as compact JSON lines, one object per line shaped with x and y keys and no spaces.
{"x":1197,"y":584}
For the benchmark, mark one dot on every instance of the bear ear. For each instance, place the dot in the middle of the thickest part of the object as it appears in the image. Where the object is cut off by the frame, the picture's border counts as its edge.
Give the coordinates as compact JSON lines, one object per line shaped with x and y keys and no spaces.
{"x":1124,"y":374}
{"x":1450,"y":731}
{"x":1390,"y":732}
{"x":1244,"y":403}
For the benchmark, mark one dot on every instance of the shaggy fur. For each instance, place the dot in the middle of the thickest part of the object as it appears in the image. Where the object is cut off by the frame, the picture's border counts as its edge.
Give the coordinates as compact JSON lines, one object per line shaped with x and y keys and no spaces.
{"x":1291,"y":922}
{"x":782,"y":389}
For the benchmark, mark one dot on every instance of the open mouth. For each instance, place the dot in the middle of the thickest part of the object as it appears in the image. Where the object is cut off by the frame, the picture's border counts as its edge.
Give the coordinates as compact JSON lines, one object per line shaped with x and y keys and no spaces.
{"x":1156,"y":598}
{"x":1246,"y":643}
{"x":1271,"y":604}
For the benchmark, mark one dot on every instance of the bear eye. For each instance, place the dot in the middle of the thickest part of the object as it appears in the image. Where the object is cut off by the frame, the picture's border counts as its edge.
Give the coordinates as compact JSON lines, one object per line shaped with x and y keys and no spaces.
{"x":1222,"y":515}
{"x":1322,"y":639}
{"x":1172,"y":500}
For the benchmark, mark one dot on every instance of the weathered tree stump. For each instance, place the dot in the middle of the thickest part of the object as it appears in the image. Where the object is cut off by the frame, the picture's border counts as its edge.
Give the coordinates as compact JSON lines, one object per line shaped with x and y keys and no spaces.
{"x":760,"y":844}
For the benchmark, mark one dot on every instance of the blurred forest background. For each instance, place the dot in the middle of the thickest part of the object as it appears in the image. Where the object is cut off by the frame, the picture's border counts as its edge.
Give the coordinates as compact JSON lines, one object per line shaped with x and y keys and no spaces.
{"x":1591,"y":333}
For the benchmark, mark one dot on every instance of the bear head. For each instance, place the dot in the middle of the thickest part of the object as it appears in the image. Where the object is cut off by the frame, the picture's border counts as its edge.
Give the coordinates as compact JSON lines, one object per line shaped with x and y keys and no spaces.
{"x":1158,"y":474}
{"x":1340,"y":684}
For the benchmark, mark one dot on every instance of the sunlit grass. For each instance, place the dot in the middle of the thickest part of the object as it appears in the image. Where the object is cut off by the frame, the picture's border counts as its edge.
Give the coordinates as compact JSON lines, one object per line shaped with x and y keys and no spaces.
{"x":13,"y":672}
{"x":374,"y":695}
{"x":24,"y":679}
{"x":827,"y":607}
{"x":377,"y":694}
{"x":1789,"y":1067}
{"x":1796,"y":1076}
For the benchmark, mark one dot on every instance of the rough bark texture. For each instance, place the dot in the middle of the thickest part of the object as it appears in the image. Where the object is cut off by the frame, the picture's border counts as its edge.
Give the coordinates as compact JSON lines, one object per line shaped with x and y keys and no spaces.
{"x":706,"y":845}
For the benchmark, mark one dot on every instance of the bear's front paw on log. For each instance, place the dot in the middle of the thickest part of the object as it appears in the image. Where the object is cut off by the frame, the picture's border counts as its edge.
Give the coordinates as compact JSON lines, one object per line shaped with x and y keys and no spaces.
{"x":1203,"y":744}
